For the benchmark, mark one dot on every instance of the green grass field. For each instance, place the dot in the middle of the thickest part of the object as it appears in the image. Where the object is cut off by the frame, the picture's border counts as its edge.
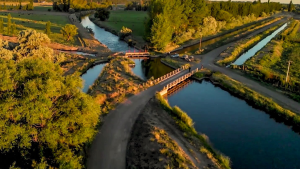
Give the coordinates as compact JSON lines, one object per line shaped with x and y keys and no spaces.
{"x":38,"y":22}
{"x":130,"y":19}
{"x":42,"y":8}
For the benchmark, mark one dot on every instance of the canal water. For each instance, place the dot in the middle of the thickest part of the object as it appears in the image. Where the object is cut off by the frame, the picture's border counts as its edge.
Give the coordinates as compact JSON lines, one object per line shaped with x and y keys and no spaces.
{"x":248,"y":136}
{"x":251,"y":52}
{"x":195,"y":47}
{"x":91,"y":75}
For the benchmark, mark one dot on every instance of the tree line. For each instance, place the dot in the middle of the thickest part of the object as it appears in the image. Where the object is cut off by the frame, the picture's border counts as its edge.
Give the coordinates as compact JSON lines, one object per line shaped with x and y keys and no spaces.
{"x":173,"y":21}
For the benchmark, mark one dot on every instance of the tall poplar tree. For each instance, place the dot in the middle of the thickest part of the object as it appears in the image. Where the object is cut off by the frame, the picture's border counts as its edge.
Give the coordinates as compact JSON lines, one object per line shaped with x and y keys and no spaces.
{"x":1,"y":25}
{"x":48,"y":28}
{"x":291,"y":6}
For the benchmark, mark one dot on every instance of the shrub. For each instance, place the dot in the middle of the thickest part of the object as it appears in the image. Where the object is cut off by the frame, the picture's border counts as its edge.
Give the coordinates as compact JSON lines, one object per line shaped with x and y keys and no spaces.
{"x":71,"y":11}
{"x":102,"y":14}
{"x":124,"y":32}
{"x":69,"y":31}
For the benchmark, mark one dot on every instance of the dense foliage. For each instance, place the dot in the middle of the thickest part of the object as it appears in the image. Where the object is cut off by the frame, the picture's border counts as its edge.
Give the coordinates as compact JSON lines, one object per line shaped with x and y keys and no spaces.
{"x":102,"y":14}
{"x":137,"y":5}
{"x":45,"y":118}
{"x":79,"y":5}
{"x":124,"y":32}
{"x":175,"y":21}
{"x":69,"y":31}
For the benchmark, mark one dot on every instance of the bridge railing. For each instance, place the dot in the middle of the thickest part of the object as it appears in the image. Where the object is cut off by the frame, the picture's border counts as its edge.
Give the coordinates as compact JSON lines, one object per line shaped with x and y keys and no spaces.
{"x":164,"y":77}
{"x":175,"y":82}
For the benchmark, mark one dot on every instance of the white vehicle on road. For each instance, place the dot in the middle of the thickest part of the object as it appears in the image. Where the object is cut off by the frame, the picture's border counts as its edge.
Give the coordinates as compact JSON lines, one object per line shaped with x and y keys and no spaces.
{"x":176,"y":55}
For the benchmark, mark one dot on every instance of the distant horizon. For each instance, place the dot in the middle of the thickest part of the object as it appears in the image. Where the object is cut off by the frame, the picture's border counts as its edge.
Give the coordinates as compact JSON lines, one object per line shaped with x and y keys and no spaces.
{"x":281,"y":1}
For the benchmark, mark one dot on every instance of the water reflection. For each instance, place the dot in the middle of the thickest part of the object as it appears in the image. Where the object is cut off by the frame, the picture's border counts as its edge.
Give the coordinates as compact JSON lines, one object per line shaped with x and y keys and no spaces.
{"x":91,"y":75}
{"x":153,"y":67}
{"x":248,"y":136}
{"x":138,"y":69}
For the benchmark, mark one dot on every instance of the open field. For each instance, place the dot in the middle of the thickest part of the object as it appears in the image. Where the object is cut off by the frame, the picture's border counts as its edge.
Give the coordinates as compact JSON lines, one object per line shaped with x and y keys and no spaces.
{"x":42,"y":8}
{"x":130,"y":19}
{"x":38,"y":22}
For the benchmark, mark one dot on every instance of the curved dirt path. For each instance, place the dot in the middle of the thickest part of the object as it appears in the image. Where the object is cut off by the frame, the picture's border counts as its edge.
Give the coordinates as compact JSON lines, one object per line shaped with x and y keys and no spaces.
{"x":108,"y":150}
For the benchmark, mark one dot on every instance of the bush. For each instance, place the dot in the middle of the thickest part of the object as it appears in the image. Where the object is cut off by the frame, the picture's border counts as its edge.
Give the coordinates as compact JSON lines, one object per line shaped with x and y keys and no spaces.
{"x":49,"y":10}
{"x":71,"y":11}
{"x":124,"y":32}
{"x":102,"y":14}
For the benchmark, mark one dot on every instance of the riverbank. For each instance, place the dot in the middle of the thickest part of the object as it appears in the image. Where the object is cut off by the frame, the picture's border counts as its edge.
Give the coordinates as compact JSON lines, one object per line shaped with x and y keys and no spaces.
{"x":87,"y":39}
{"x":130,"y":40}
{"x":270,"y":64}
{"x":196,"y":41}
{"x":201,"y":141}
{"x":233,"y":52}
{"x":116,"y":83}
{"x":257,"y":100}
{"x":167,"y":144}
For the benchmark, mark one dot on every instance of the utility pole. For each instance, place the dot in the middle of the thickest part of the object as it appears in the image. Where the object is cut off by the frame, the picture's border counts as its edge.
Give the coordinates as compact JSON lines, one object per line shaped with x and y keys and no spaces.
{"x":200,"y":43}
{"x":287,"y":73}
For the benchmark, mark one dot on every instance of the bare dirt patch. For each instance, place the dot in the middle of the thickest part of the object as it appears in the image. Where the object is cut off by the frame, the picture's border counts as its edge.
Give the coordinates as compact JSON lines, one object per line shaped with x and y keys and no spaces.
{"x":145,"y":150}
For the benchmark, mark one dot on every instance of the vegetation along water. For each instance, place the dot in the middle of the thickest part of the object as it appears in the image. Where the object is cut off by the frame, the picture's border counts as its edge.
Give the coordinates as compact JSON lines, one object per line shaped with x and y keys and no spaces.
{"x":250,"y":137}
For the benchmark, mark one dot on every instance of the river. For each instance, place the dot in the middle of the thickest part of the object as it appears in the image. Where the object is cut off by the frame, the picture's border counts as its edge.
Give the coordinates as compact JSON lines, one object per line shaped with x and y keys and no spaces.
{"x":248,"y":136}
{"x":245,"y":56}
{"x":144,"y":68}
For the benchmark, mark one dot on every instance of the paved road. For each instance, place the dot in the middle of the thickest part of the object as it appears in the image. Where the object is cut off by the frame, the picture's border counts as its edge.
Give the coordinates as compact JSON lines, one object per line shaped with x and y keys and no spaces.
{"x":108,"y":150}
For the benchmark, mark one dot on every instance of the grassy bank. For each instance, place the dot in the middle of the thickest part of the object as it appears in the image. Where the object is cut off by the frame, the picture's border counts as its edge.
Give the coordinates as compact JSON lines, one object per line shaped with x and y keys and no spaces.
{"x":130,"y":19}
{"x":256,"y":99}
{"x":76,"y":64}
{"x":269,"y":65}
{"x":174,"y":155}
{"x":174,"y":63}
{"x":185,"y":123}
{"x":115,"y":83}
{"x":232,"y":53}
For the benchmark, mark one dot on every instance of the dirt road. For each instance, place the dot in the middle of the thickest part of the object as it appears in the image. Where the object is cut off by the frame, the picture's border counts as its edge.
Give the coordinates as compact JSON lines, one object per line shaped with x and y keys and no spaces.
{"x":108,"y":150}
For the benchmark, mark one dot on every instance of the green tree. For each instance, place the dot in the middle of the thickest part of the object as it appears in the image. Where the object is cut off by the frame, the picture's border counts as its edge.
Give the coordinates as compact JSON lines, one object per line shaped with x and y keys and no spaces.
{"x":48,"y":28}
{"x":161,"y":32}
{"x":14,"y":29}
{"x":223,"y":15}
{"x":45,"y":117}
{"x":20,"y":4}
{"x":291,"y":6}
{"x":30,"y":5}
{"x":9,"y":24}
{"x":45,"y":111}
{"x":69,"y":31}
{"x":102,"y":14}
{"x":1,"y":25}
